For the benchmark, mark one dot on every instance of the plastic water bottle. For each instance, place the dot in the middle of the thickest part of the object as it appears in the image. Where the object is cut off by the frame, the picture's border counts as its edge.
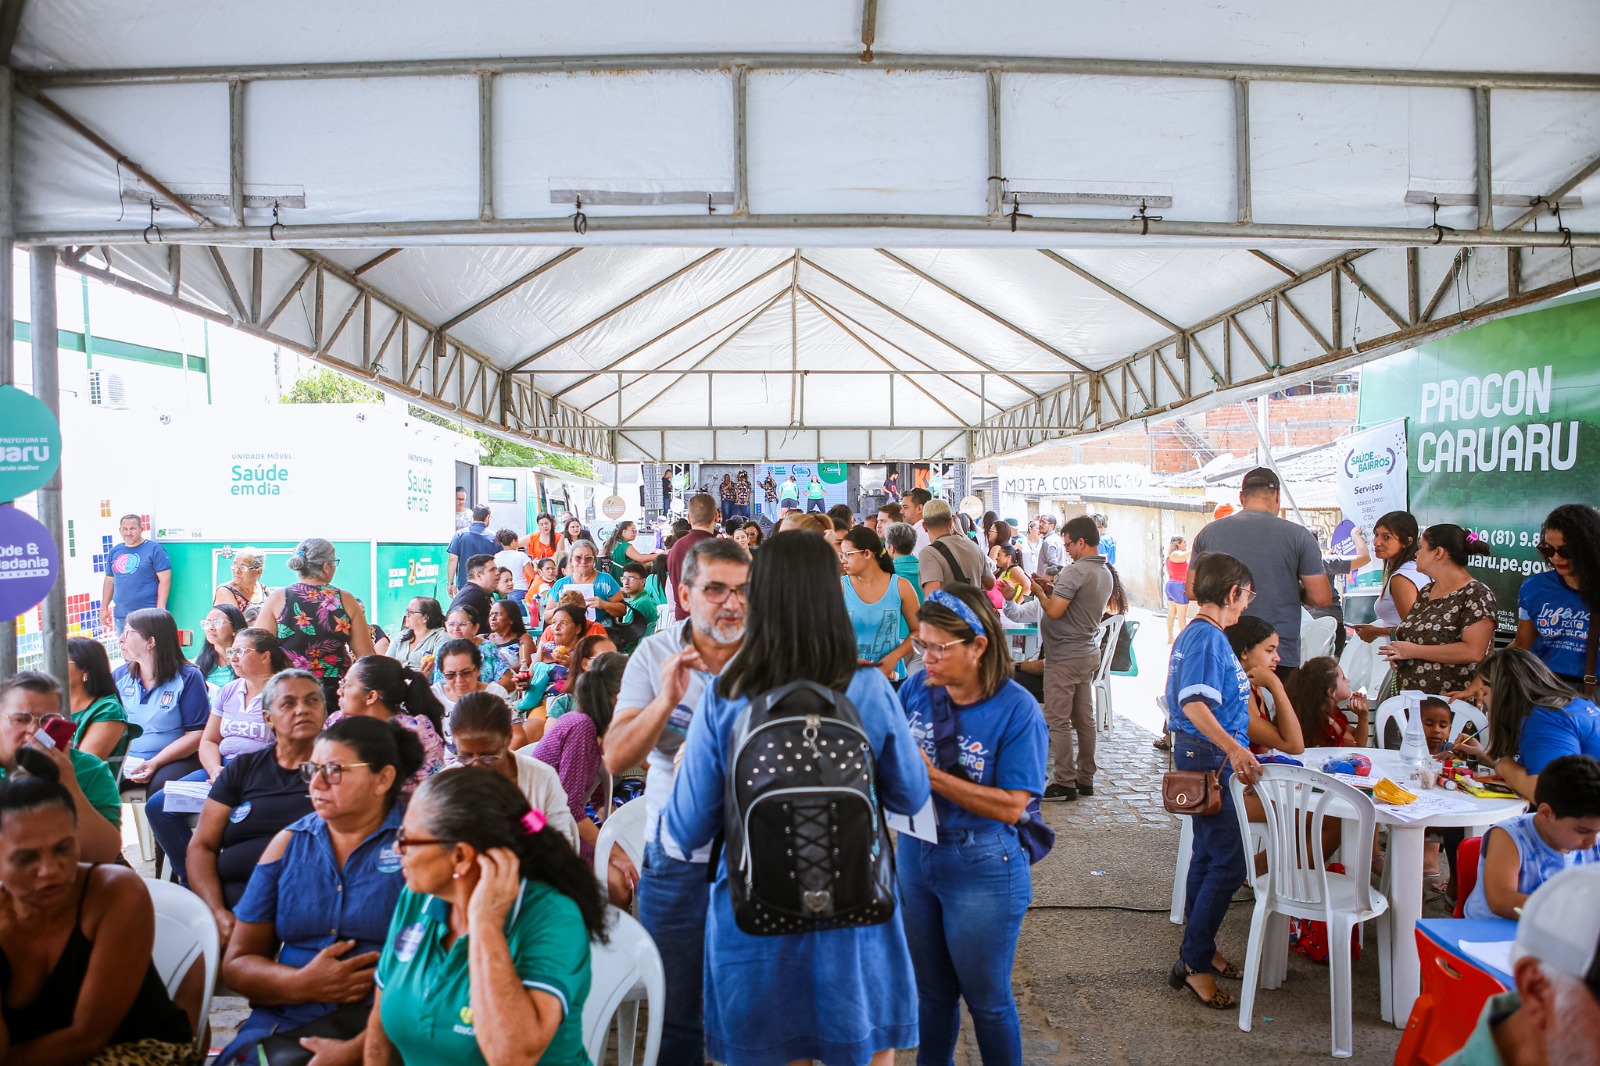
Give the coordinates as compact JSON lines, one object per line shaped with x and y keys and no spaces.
{"x":1414,"y":746}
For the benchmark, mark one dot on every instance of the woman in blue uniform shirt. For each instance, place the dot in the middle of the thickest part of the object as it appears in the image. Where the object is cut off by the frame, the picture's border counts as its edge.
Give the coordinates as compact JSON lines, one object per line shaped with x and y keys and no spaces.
{"x":965,"y":897}
{"x":164,"y":695}
{"x":847,"y":995}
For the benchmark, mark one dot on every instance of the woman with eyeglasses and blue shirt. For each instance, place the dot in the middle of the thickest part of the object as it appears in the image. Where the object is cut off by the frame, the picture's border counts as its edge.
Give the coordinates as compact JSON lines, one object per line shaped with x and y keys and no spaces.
{"x":964,"y":897}
{"x":256,"y":796}
{"x":1556,"y":607}
{"x":313,"y":918}
{"x":1208,"y":708}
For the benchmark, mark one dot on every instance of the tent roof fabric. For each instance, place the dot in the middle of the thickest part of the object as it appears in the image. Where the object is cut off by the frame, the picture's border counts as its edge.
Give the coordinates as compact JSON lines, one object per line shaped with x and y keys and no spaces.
{"x":674,"y":232}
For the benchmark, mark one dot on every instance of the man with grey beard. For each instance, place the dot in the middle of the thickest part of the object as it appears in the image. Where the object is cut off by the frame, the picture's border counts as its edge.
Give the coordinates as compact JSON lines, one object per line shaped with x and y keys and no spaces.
{"x":660,"y":690}
{"x":1552,"y":1016}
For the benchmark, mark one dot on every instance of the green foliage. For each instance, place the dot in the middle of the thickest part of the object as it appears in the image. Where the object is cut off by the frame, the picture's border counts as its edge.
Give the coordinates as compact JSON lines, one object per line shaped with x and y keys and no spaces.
{"x":499,"y":452}
{"x":330,"y":386}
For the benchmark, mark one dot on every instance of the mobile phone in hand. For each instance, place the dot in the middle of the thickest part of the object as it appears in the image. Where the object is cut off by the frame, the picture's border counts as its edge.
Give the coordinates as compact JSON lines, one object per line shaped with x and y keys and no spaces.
{"x":58,"y":732}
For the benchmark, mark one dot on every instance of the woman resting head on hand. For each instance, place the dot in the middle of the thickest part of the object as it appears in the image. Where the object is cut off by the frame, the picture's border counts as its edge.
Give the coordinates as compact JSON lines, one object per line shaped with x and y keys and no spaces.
{"x":480,"y":863}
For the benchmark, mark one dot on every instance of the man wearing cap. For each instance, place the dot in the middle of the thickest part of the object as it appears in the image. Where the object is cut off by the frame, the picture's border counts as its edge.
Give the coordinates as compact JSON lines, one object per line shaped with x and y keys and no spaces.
{"x":1553,"y":1017}
{"x":949,"y":558}
{"x":1284,"y":559}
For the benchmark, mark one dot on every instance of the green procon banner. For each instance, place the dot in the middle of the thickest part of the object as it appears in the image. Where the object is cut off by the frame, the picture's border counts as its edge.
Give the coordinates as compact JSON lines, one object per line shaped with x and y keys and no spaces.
{"x":1504,"y":425}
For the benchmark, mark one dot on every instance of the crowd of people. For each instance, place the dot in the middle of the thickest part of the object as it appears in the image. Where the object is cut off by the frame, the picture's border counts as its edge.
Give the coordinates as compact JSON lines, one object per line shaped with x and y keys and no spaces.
{"x":367,"y":803}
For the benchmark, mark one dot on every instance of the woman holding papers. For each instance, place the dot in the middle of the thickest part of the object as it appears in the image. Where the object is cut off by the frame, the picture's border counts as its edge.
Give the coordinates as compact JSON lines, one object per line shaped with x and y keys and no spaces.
{"x":964,"y":897}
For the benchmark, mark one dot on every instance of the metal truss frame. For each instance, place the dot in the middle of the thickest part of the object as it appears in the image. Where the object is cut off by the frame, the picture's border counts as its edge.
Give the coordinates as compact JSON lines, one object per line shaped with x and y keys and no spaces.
{"x":1404,"y":273}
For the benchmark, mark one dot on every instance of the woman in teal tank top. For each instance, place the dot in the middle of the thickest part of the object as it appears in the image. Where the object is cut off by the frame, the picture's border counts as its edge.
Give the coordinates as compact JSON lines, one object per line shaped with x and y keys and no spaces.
{"x":882,"y":605}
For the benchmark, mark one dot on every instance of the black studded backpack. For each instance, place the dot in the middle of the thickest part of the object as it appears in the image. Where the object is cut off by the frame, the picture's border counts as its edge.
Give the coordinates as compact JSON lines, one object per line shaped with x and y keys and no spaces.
{"x":805,"y":838}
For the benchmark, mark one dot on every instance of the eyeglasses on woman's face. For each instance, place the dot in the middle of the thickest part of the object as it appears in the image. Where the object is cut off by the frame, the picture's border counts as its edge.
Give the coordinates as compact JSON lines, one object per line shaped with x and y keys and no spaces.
{"x":490,"y":759}
{"x":845,"y":553}
{"x":330,"y":772}
{"x":1554,"y":551}
{"x":933,"y":651}
{"x":403,"y":842}
{"x":459,"y":675}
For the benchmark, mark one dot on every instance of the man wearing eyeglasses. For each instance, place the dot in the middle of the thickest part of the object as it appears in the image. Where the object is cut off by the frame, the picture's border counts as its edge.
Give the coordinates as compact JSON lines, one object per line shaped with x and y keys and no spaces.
{"x":1552,"y":1018}
{"x":27,"y":701}
{"x":660,"y":691}
{"x":1070,"y":608}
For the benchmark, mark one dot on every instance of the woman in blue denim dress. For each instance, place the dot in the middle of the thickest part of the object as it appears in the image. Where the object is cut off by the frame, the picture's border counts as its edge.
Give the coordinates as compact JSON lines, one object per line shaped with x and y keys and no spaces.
{"x":845,"y":996}
{"x":1208,"y":703}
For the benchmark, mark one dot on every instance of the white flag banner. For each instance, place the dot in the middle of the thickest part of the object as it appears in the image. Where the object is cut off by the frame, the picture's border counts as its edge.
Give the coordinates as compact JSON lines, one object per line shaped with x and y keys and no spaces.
{"x":1372,"y":473}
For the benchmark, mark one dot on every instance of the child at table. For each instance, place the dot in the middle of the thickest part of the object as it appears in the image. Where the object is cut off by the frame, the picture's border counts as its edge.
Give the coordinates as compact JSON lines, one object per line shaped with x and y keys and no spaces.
{"x":1316,"y":691}
{"x":1522,"y":854}
{"x":1436,"y":719}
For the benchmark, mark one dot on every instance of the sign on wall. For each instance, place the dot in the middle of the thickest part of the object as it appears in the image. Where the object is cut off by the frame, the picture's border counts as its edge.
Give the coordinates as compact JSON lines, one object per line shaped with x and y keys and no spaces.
{"x":29,"y":562}
{"x":30,"y":443}
{"x":1504,"y":427}
{"x":1099,"y":479}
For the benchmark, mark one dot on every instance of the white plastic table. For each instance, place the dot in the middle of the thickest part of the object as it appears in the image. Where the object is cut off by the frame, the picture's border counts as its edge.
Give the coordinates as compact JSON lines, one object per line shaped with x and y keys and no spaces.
{"x":1403,"y":865}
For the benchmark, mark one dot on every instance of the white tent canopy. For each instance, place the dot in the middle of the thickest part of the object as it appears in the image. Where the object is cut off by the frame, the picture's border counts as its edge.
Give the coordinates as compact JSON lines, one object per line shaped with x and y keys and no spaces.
{"x":661,"y":231}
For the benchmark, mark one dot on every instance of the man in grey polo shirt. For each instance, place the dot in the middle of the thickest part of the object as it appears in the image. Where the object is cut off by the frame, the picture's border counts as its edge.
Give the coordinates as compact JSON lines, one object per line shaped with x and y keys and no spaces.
{"x":1050,"y":551}
{"x":1071,"y":613}
{"x":660,"y":690}
{"x":1283,"y":557}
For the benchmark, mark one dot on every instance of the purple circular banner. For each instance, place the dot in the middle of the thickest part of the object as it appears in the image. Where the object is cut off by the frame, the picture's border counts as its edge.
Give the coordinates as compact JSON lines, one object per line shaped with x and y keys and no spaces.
{"x":29,"y":563}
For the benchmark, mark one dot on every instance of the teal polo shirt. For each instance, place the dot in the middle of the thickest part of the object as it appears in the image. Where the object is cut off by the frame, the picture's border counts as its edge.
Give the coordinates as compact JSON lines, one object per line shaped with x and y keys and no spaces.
{"x":427,"y":1003}
{"x":96,"y":784}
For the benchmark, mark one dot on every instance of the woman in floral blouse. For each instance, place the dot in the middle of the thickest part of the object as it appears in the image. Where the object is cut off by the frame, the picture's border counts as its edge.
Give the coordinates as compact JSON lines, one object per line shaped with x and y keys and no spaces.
{"x":1451,"y":627}
{"x":319,"y":627}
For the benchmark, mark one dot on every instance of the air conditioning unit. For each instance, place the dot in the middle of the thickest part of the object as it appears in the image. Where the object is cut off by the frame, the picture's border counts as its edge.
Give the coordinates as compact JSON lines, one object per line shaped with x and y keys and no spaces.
{"x":108,"y":389}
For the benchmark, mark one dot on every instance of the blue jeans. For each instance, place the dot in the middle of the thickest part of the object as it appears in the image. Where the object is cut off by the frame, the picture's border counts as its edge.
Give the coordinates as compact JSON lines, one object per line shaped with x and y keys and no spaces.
{"x":962,"y":902}
{"x":1217,"y":867}
{"x":172,"y":831}
{"x":673,"y":896}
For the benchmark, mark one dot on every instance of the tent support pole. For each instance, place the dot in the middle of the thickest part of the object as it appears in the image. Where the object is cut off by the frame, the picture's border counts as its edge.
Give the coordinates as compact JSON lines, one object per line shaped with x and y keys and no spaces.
{"x":741,"y":144}
{"x":1241,"y":149}
{"x":47,"y":388}
{"x":996,"y":164}
{"x":1480,"y":109}
{"x":236,"y":151}
{"x":485,"y":146}
{"x":8,"y":348}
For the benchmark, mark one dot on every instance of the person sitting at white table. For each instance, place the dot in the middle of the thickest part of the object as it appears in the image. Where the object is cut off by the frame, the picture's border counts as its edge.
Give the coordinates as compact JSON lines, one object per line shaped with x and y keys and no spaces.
{"x":1553,"y":1016}
{"x":1533,"y":719}
{"x":1520,"y":855}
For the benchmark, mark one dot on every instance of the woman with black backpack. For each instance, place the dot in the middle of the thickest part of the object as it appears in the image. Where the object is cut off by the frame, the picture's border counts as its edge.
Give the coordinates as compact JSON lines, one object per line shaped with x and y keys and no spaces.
{"x":806,"y":957}
{"x":985,"y":741}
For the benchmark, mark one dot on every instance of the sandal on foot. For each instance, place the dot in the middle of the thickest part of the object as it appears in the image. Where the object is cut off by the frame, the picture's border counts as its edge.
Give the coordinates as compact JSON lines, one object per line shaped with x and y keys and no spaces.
{"x":1228,"y":972}
{"x":1178,"y":979}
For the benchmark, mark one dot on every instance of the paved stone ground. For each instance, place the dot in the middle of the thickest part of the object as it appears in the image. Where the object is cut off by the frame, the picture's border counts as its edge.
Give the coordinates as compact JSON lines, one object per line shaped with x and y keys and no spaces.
{"x":1096,"y":947}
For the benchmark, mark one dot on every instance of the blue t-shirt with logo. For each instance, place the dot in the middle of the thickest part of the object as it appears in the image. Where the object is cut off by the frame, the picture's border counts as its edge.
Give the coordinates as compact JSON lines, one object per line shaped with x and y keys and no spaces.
{"x":1003,"y":741}
{"x":1548,"y":733}
{"x":178,"y":705}
{"x":133,"y":575}
{"x":1205,"y":670}
{"x":1561,"y":620}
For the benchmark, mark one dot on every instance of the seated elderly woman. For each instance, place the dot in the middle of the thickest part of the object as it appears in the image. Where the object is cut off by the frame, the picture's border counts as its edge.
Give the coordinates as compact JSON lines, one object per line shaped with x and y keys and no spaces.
{"x":256,"y":796}
{"x":76,"y":977}
{"x":311,"y":924}
{"x":462,"y":624}
{"x":481,"y":725}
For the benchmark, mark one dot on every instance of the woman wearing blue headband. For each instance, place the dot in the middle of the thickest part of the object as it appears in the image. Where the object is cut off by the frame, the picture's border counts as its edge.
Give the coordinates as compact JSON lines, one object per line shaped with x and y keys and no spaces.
{"x":964,"y":897}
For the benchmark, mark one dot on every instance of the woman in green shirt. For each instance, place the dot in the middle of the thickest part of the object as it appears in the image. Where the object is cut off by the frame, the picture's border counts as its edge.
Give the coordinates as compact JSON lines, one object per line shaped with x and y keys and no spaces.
{"x":102,"y":725}
{"x":487,"y":958}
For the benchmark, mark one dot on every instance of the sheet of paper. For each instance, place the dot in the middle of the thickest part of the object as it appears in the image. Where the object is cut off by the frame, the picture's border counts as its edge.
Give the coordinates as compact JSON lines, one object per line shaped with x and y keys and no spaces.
{"x":587,"y":590}
{"x":924,"y":825}
{"x":1427,"y":804}
{"x":1496,"y":953}
{"x":186,"y":797}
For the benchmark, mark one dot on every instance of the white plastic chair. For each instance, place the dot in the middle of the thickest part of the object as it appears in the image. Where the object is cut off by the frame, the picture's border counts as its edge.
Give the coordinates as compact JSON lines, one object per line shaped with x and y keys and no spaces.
{"x":133,"y":801}
{"x":1105,"y":636}
{"x":1255,"y":844}
{"x":1317,"y":637}
{"x":1399,"y":709}
{"x":620,"y":971}
{"x":623,"y":829}
{"x":185,"y":931}
{"x":1297,"y":884}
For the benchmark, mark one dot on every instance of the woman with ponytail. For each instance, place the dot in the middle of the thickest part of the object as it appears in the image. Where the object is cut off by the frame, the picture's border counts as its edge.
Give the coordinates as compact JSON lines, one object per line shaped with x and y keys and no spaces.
{"x":882,"y":605}
{"x":480,"y":863}
{"x":309,"y":928}
{"x":380,"y":687}
{"x":1451,"y":627}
